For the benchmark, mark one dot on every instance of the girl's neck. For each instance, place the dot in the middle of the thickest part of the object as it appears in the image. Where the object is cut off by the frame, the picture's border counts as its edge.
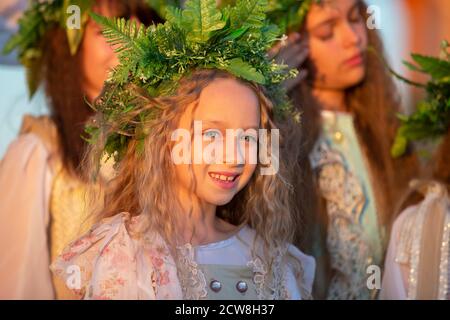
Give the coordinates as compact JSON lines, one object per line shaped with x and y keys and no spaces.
{"x":199,"y":222}
{"x":332,"y":100}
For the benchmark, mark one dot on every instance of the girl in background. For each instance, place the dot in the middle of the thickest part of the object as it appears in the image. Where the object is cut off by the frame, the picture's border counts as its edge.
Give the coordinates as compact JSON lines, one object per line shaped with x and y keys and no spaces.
{"x":417,"y":263}
{"x":348,"y":104}
{"x":42,"y":202}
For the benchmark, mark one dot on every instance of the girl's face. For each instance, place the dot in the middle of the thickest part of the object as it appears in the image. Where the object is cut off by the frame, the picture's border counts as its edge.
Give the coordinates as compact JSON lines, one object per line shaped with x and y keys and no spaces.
{"x":223,"y":104}
{"x":98,"y":57}
{"x":338,"y":40}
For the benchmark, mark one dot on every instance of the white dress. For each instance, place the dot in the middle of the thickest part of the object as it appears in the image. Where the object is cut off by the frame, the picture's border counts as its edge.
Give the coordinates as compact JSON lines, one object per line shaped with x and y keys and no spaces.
{"x":113,"y":261}
{"x":417,"y":263}
{"x":25,"y":184}
{"x":42,"y":209}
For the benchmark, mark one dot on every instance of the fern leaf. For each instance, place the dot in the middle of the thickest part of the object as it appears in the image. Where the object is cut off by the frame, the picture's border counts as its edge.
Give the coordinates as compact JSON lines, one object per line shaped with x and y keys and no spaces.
{"x":248,"y":14}
{"x":242,"y":69}
{"x":201,"y":18}
{"x":120,"y":32}
{"x":173,"y":15}
{"x":437,"y":68}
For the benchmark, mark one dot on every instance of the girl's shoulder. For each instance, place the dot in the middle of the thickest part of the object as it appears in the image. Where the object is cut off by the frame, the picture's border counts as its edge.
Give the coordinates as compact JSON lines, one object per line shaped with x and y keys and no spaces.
{"x":106,"y":249}
{"x":300,"y":274}
{"x":114,"y":260}
{"x":291,"y":252}
{"x":413,"y":221}
{"x":42,"y":127}
{"x":435,"y":195}
{"x":36,"y":145}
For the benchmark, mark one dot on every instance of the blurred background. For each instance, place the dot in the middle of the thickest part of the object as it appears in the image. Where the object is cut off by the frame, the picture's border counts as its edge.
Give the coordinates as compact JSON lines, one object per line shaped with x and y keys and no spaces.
{"x":405,"y":25}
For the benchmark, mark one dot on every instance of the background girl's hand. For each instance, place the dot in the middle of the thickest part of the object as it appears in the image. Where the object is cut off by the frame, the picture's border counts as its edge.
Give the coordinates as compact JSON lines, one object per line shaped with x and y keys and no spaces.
{"x":293,"y":52}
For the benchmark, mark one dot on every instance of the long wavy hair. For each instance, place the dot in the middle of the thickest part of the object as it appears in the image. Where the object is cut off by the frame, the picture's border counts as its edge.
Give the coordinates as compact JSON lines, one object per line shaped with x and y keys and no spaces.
{"x":62,"y":78}
{"x":144,"y":181}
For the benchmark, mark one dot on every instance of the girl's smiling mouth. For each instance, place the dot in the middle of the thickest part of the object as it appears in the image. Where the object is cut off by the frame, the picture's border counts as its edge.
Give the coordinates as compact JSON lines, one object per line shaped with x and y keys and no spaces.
{"x":226,"y":180}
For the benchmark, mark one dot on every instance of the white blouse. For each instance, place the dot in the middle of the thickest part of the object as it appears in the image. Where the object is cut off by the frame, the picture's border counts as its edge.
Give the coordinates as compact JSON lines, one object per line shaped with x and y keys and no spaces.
{"x":417,"y":263}
{"x":25,"y":184}
{"x":394,"y":277}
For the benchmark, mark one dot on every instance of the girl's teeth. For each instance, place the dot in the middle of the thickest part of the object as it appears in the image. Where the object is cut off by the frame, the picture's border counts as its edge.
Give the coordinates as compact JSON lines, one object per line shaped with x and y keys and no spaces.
{"x":222,"y":177}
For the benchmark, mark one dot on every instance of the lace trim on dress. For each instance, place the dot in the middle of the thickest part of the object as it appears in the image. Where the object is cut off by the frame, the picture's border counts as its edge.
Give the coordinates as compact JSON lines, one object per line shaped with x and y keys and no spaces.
{"x":273,"y":288}
{"x":192,"y":278}
{"x":345,"y":200}
{"x":194,"y":284}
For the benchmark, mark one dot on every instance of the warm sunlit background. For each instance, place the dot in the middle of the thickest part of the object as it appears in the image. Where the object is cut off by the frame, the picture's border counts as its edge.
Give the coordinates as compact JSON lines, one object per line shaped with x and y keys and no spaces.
{"x":406,"y":26}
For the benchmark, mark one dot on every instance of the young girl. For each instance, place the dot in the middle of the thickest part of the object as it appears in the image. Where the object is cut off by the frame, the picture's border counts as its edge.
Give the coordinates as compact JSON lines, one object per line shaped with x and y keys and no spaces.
{"x":417,"y":264}
{"x":42,"y":204}
{"x":216,"y":229}
{"x":348,"y":103}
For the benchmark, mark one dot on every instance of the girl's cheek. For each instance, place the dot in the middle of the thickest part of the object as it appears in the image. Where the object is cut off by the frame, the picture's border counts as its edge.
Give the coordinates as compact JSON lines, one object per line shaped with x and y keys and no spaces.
{"x":250,"y":170}
{"x":364,"y":37}
{"x":318,"y":51}
{"x":253,"y":169}
{"x":100,"y":51}
{"x":320,"y":61}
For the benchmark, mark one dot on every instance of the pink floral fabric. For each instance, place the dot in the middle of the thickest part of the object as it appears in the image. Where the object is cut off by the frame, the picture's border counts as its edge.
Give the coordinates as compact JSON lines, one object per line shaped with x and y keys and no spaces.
{"x":107,"y":263}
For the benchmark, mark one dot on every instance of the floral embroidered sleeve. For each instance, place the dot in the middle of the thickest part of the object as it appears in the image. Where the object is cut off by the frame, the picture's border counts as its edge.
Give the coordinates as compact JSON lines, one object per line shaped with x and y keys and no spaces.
{"x":102,"y":263}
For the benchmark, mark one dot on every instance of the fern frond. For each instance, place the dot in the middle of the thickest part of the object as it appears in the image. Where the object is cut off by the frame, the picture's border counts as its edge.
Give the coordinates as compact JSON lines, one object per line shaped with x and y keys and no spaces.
{"x":248,"y":14}
{"x":202,"y":18}
{"x":120,"y":32}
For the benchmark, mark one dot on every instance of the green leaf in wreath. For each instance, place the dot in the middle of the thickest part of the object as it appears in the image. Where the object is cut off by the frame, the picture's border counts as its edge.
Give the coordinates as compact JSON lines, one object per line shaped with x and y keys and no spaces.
{"x":201,"y":18}
{"x":399,"y":146}
{"x":248,"y":14}
{"x":437,"y":68}
{"x":240,"y":68}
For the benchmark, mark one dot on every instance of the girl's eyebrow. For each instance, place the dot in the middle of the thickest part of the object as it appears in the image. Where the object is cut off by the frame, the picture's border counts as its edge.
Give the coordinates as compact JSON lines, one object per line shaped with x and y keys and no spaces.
{"x":330,"y":19}
{"x":224,"y":124}
{"x":335,"y":16}
{"x":213,"y":122}
{"x":327,"y":21}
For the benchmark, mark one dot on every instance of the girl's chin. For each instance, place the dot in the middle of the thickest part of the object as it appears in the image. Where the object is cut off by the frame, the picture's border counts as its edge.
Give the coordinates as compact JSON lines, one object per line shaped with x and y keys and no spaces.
{"x":220,"y":195}
{"x":220,"y":199}
{"x":354,"y":77}
{"x":348,"y":79}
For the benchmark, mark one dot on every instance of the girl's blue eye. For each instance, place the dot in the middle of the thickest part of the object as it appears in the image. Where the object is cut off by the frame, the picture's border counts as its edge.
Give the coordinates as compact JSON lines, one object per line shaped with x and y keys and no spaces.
{"x":249,"y":138}
{"x":212,"y":134}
